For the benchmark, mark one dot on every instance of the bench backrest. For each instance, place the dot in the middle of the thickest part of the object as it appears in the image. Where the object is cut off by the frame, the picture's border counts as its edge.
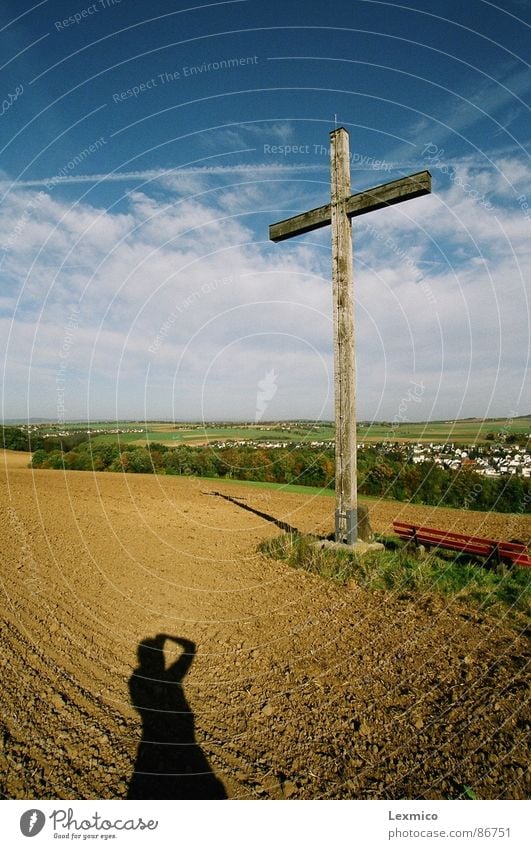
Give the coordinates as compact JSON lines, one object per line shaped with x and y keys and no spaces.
{"x":514,"y":551}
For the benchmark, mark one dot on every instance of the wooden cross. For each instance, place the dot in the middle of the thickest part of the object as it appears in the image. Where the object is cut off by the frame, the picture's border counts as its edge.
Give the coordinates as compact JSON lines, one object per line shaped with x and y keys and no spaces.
{"x":342,"y":207}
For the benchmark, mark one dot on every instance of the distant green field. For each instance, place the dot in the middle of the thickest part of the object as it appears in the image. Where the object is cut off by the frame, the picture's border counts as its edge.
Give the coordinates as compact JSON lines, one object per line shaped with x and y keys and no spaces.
{"x":107,"y":425}
{"x":141,"y":439}
{"x":222,"y":433}
{"x":181,"y":433}
{"x":459,"y":431}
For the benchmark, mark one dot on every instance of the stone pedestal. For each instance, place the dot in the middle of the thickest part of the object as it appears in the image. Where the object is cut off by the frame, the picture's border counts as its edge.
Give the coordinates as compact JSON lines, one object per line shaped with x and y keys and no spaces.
{"x":365,"y":533}
{"x":360,"y":547}
{"x":365,"y":541}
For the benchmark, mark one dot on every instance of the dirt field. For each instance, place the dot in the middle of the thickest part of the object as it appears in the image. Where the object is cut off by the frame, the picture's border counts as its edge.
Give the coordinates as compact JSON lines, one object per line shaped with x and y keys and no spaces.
{"x":280,"y":684}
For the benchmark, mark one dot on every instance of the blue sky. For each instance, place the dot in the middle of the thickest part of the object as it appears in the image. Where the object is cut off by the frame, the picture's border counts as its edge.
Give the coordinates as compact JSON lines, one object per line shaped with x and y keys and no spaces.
{"x":145,"y":149}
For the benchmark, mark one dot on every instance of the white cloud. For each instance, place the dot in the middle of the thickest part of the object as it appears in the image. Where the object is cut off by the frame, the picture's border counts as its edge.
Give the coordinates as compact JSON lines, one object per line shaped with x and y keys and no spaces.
{"x":489,"y":99}
{"x":248,"y":133}
{"x":182,"y":303}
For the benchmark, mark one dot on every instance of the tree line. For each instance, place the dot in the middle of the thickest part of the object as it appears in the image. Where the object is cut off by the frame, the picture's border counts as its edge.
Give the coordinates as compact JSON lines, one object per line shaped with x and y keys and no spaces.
{"x":17,"y":439}
{"x":380,"y":474}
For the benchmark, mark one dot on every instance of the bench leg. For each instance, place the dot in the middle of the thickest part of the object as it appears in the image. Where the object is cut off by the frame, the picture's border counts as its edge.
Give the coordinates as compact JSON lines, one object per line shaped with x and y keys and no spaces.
{"x":493,"y":559}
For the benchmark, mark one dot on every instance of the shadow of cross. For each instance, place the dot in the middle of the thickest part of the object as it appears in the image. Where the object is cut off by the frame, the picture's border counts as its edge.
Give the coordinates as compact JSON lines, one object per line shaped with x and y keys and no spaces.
{"x":284,"y":526}
{"x":338,"y":213}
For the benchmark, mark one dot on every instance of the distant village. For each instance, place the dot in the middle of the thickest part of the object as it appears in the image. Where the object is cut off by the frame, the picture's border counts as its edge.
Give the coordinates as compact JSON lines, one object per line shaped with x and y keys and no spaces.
{"x":94,"y":431}
{"x":489,"y":459}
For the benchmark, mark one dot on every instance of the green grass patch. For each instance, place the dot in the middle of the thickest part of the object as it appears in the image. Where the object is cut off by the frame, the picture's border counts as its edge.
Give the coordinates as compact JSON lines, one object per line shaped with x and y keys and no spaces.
{"x":400,"y":570}
{"x":279,"y":487}
{"x":290,"y":487}
{"x":468,"y":793}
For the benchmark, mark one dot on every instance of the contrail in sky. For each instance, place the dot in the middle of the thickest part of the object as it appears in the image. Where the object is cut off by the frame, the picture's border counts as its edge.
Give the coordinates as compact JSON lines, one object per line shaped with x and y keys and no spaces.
{"x":160,"y":174}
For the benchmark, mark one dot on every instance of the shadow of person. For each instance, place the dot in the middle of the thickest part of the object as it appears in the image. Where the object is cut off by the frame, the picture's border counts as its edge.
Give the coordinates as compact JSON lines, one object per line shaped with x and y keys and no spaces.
{"x":169,"y":764}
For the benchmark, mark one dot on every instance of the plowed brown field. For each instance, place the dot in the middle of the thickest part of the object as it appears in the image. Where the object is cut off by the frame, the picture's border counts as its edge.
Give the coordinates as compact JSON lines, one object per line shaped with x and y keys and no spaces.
{"x":281,"y":684}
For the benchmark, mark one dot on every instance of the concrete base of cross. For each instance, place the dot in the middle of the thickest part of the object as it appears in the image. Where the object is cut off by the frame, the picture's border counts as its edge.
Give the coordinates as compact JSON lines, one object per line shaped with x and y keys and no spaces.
{"x":365,"y":535}
{"x":360,"y":547}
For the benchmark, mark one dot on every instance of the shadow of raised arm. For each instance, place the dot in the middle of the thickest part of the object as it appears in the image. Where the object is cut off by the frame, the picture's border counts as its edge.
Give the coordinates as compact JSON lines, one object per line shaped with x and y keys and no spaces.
{"x":178,"y":670}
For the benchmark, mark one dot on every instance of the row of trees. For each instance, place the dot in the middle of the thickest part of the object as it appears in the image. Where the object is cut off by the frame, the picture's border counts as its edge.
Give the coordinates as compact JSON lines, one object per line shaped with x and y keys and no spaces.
{"x":380,"y":474}
{"x":303,"y":466}
{"x":17,"y":439}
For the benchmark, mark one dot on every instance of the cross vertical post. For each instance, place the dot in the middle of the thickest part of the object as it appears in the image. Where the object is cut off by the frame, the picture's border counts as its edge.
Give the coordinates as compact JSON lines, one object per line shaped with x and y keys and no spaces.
{"x":338,"y":214}
{"x":346,"y":515}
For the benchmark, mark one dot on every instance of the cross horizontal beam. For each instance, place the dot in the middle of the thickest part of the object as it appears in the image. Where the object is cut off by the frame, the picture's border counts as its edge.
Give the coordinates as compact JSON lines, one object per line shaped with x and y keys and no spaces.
{"x":406,"y":188}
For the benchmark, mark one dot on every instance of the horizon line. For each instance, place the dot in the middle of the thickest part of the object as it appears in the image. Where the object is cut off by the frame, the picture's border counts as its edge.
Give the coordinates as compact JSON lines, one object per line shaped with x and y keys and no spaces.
{"x":44,"y":421}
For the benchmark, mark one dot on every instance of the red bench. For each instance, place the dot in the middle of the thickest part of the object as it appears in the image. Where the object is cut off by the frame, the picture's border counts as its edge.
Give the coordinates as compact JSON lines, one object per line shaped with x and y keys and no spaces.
{"x":495,"y":551}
